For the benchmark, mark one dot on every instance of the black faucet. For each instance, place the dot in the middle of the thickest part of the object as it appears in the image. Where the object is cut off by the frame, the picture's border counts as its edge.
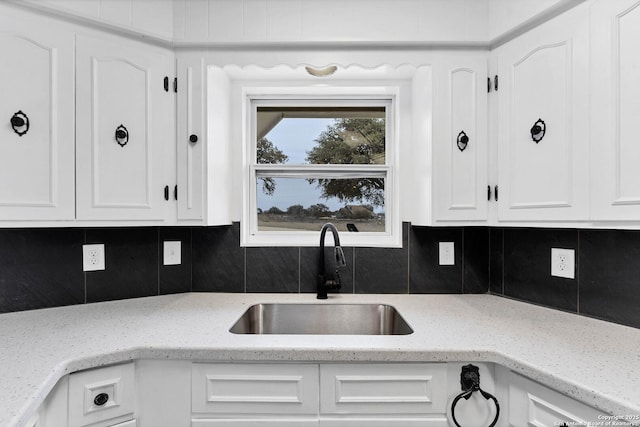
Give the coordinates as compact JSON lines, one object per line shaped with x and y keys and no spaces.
{"x":326,"y":281}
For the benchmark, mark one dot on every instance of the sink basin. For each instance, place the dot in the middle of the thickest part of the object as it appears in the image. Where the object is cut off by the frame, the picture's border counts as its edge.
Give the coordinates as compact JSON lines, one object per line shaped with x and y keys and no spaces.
{"x":322,"y":319}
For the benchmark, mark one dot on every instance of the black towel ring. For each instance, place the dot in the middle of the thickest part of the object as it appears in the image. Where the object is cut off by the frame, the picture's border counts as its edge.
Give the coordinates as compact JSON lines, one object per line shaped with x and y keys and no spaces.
{"x":470,"y":382}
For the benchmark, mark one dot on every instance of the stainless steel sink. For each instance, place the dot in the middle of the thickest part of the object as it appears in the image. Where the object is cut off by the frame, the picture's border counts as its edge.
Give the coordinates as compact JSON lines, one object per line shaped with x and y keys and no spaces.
{"x":322,"y":319}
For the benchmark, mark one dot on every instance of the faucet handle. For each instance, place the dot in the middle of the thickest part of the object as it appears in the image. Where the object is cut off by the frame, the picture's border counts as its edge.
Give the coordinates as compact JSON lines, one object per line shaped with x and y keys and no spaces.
{"x":341,"y":261}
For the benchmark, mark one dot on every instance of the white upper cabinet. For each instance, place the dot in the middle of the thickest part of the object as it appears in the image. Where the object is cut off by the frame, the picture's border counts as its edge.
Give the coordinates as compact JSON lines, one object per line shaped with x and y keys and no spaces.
{"x":615,"y":110}
{"x":191,"y":139}
{"x":543,"y":97}
{"x":37,"y":131}
{"x":123,"y":128}
{"x":460,"y":138}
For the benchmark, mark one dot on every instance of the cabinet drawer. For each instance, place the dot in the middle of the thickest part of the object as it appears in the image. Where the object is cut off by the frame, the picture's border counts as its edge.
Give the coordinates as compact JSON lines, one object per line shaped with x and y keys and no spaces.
{"x":383,"y":389}
{"x":386,"y":422}
{"x":254,"y":423}
{"x":254,"y":388}
{"x":114,"y":384}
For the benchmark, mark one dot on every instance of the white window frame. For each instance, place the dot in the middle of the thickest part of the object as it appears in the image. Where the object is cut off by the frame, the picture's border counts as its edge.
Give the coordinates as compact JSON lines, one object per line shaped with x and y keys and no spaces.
{"x":386,"y":96}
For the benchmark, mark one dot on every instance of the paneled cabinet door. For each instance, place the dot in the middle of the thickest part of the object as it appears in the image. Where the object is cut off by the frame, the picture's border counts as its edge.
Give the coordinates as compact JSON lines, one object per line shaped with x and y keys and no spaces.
{"x":36,"y":112}
{"x":615,"y":89}
{"x":532,"y":404}
{"x":542,"y":121}
{"x":460,"y":138}
{"x":191,"y":139}
{"x":123,"y":125}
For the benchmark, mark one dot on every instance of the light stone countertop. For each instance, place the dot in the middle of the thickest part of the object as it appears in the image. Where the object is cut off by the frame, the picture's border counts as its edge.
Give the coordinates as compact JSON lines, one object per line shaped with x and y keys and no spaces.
{"x":593,"y":361}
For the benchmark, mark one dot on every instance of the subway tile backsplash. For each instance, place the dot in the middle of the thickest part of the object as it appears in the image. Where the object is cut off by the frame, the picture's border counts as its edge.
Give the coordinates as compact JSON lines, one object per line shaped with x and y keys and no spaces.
{"x":42,"y":268}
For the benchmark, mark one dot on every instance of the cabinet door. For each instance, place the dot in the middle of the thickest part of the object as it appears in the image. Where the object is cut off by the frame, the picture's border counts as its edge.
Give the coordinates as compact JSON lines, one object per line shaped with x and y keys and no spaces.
{"x":120,"y":91}
{"x":532,"y":404}
{"x":460,"y":138}
{"x":275,"y":422}
{"x":386,"y":422}
{"x":191,"y":140}
{"x":615,"y":89}
{"x":383,"y":389}
{"x":36,"y":85}
{"x":243,"y":389}
{"x":103,"y":395}
{"x":543,"y":81}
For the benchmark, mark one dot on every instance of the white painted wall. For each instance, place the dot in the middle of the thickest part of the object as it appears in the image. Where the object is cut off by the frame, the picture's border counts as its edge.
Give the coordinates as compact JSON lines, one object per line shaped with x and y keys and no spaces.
{"x":154,"y":17}
{"x":227,"y":21}
{"x":506,"y":14}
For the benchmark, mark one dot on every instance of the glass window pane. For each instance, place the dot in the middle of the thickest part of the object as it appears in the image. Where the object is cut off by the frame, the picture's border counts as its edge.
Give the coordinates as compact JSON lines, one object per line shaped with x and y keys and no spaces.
{"x":287,"y":204}
{"x":322,"y":135}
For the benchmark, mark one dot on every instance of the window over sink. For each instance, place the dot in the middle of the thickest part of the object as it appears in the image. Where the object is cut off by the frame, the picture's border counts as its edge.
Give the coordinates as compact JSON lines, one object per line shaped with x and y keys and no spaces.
{"x":316,"y":156}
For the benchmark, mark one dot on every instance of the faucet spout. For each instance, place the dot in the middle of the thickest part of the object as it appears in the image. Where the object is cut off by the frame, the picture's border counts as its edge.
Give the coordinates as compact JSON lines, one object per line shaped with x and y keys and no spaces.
{"x":326,"y":281}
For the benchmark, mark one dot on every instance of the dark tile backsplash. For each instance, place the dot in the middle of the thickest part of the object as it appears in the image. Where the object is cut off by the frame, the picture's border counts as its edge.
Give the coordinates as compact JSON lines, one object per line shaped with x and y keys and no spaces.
{"x":527,"y":267}
{"x":426,"y":276}
{"x":42,"y":268}
{"x":218,"y":259}
{"x":607,"y":271}
{"x":131,"y":264}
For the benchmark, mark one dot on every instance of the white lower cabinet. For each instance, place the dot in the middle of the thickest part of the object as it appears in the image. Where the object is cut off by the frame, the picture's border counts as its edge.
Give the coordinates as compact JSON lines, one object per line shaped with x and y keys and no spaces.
{"x":174,"y":393}
{"x":383,"y":394}
{"x":439,"y":421}
{"x":105,"y":396}
{"x":532,"y":404}
{"x":131,"y":423}
{"x":240,"y":389}
{"x":275,"y":422}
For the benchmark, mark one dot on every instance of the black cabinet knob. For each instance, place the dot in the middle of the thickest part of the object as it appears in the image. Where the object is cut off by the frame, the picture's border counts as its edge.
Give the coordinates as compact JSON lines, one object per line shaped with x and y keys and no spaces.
{"x":17,"y":121}
{"x":101,"y":399}
{"x":462,"y":140}
{"x":193,"y":138}
{"x":20,"y":123}
{"x":538,"y":130}
{"x":122,"y":135}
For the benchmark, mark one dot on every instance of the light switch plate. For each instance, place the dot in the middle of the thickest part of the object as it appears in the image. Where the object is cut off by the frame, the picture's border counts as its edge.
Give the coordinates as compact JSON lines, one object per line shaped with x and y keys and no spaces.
{"x":563,"y":263}
{"x":93,"y":257}
{"x":172,"y":253}
{"x":447,"y":253}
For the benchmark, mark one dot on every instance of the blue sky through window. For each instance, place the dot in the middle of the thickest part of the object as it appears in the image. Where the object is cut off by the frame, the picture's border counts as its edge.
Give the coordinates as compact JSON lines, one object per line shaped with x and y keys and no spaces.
{"x":295,"y":137}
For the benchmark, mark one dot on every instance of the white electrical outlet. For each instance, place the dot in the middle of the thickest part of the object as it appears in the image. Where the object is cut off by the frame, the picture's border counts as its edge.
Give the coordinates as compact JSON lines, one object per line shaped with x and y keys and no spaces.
{"x":447,"y":253}
{"x":171,"y":253}
{"x":93,"y":257}
{"x":563,"y":263}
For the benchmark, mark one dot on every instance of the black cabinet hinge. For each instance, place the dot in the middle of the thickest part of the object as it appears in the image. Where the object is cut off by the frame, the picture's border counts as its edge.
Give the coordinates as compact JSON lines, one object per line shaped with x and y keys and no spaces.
{"x":175,"y":84}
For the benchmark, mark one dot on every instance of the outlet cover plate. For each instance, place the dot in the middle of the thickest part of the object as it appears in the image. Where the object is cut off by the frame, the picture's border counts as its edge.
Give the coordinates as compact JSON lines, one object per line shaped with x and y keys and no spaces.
{"x":563,"y":263}
{"x":447,"y":253}
{"x":93,"y":257}
{"x":172,"y":253}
